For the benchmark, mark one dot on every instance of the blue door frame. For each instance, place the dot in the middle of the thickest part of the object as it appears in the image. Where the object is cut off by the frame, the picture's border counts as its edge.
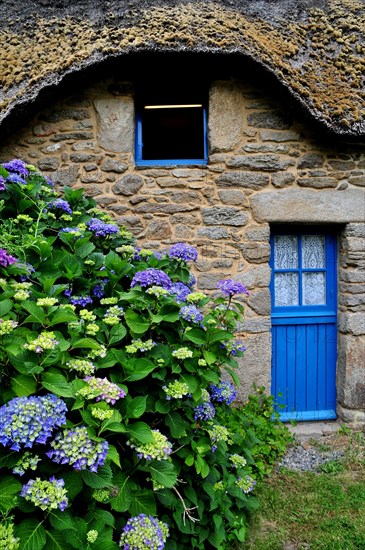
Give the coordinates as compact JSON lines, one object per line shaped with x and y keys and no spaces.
{"x":304,"y":334}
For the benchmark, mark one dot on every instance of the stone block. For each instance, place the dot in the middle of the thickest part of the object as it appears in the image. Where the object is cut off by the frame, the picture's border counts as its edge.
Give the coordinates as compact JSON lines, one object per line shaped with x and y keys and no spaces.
{"x":268,"y":135}
{"x":60,"y":115}
{"x":158,"y":229}
{"x":282,"y":179}
{"x":265,"y":148}
{"x":111,"y":165}
{"x":357,"y":180}
{"x":49,"y":164}
{"x":265,"y":163}
{"x":72,"y":136}
{"x":311,"y":160}
{"x":224,"y":216}
{"x":233,"y":197}
{"x":242,"y":179}
{"x":269,"y":119}
{"x":115,"y":118}
{"x":255,"y":252}
{"x":214,"y":233}
{"x":209,"y":281}
{"x":351,"y":371}
{"x":317,"y":182}
{"x":308,"y":205}
{"x":83,"y":157}
{"x":352,"y":323}
{"x":128,"y":185}
{"x":68,"y":176}
{"x":168,"y":181}
{"x":249,"y":370}
{"x":258,"y":233}
{"x":226,"y":116}
{"x":253,"y":277}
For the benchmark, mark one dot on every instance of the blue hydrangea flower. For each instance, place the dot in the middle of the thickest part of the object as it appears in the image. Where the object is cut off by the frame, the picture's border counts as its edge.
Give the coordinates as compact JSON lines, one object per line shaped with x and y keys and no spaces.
{"x":150,"y":277}
{"x":75,"y":447}
{"x":15,"y":178}
{"x":225,"y":392}
{"x":141,"y":532}
{"x":191,"y":314}
{"x":18,"y":166}
{"x":102,"y":229}
{"x":229,"y":287}
{"x":182,"y":251}
{"x":28,"y":420}
{"x":98,"y":289}
{"x":180,"y":291}
{"x":205,"y":411}
{"x":60,"y":204}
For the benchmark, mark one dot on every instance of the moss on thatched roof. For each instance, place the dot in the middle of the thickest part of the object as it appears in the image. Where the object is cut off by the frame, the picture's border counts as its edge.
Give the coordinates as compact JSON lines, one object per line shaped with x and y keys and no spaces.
{"x":315,"y":48}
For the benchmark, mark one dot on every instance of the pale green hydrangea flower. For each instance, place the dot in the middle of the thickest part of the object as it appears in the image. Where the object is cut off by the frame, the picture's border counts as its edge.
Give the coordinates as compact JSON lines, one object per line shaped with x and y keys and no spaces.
{"x":48,"y":302}
{"x":176,"y":390}
{"x":157,"y":291}
{"x":182,"y":353}
{"x":194,"y":297}
{"x":45,"y":341}
{"x":87,"y":315}
{"x":6,"y":327}
{"x":92,"y":535}
{"x":238,"y":461}
{"x":139,"y":345}
{"x":7,"y":539}
{"x":159,"y":449}
{"x":82,"y":366}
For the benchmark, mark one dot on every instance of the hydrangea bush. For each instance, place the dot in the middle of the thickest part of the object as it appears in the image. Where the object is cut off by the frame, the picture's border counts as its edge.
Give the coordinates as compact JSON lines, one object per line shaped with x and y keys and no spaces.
{"x":114,"y":374}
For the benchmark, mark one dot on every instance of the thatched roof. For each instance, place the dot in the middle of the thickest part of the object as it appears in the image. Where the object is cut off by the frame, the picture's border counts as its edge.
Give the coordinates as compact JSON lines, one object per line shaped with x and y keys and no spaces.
{"x":314,"y":47}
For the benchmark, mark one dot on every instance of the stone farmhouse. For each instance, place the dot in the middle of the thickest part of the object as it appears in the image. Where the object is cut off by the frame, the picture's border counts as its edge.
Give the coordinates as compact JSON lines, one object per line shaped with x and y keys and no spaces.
{"x":237,"y":126}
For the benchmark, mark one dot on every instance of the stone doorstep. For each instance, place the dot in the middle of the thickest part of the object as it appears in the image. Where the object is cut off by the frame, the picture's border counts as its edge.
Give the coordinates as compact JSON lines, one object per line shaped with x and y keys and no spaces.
{"x":316,"y":429}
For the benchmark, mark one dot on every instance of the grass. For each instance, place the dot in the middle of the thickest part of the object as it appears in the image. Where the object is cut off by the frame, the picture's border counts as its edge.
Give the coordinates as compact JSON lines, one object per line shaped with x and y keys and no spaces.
{"x":322,"y":510}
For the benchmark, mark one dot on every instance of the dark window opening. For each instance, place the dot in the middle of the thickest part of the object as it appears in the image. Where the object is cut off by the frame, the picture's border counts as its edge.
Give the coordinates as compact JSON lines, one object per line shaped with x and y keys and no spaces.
{"x":171,"y":126}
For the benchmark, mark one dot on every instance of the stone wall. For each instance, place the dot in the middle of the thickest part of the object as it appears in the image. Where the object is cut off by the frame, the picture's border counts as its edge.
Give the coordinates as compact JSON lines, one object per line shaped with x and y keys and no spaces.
{"x":265,"y":166}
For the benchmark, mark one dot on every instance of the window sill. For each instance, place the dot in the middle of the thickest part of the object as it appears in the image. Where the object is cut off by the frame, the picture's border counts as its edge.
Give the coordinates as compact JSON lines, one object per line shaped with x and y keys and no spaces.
{"x":171,"y":163}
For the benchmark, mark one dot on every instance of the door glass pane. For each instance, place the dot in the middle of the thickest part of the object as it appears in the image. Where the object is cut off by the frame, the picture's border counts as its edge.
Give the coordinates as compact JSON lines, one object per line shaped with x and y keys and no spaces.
{"x":286,"y":289}
{"x":314,"y":289}
{"x":285,"y":251}
{"x":313,"y":251}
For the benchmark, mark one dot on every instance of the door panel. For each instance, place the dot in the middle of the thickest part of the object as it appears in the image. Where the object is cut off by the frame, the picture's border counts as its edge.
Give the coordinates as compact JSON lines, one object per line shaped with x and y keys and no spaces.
{"x":303,"y":289}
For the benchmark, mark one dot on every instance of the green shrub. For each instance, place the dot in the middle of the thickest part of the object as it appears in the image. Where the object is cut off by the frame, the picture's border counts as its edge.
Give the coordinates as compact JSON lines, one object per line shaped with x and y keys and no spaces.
{"x":115,"y":425}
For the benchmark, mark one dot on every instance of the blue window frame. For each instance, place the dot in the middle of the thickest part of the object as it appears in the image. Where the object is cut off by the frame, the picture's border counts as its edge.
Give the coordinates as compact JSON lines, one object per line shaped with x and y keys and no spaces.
{"x":301,"y":273}
{"x":171,"y":127}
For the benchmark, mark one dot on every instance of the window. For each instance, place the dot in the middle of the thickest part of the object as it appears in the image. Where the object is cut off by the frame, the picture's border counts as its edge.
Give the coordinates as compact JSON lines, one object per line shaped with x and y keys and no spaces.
{"x":171,"y":126}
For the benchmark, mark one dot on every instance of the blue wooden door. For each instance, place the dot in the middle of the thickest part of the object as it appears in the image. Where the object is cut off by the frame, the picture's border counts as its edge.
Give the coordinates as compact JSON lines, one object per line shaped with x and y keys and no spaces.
{"x":304,"y":335}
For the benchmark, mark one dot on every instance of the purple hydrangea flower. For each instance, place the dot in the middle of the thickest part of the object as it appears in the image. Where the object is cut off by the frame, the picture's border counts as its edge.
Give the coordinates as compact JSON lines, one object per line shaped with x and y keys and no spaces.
{"x":5,"y":258}
{"x":182,"y":251}
{"x":229,"y":287}
{"x":2,"y":184}
{"x":18,"y":166}
{"x":47,"y":495}
{"x":191,"y":314}
{"x":60,"y":204}
{"x":98,"y":289}
{"x":192,"y":280}
{"x":205,"y":411}
{"x":225,"y":392}
{"x":104,"y":389}
{"x":151,"y":277}
{"x":79,"y":300}
{"x":75,"y":447}
{"x":180,"y":291}
{"x":234,"y":346}
{"x":15,"y":178}
{"x":28,"y":420}
{"x":101,"y":229}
